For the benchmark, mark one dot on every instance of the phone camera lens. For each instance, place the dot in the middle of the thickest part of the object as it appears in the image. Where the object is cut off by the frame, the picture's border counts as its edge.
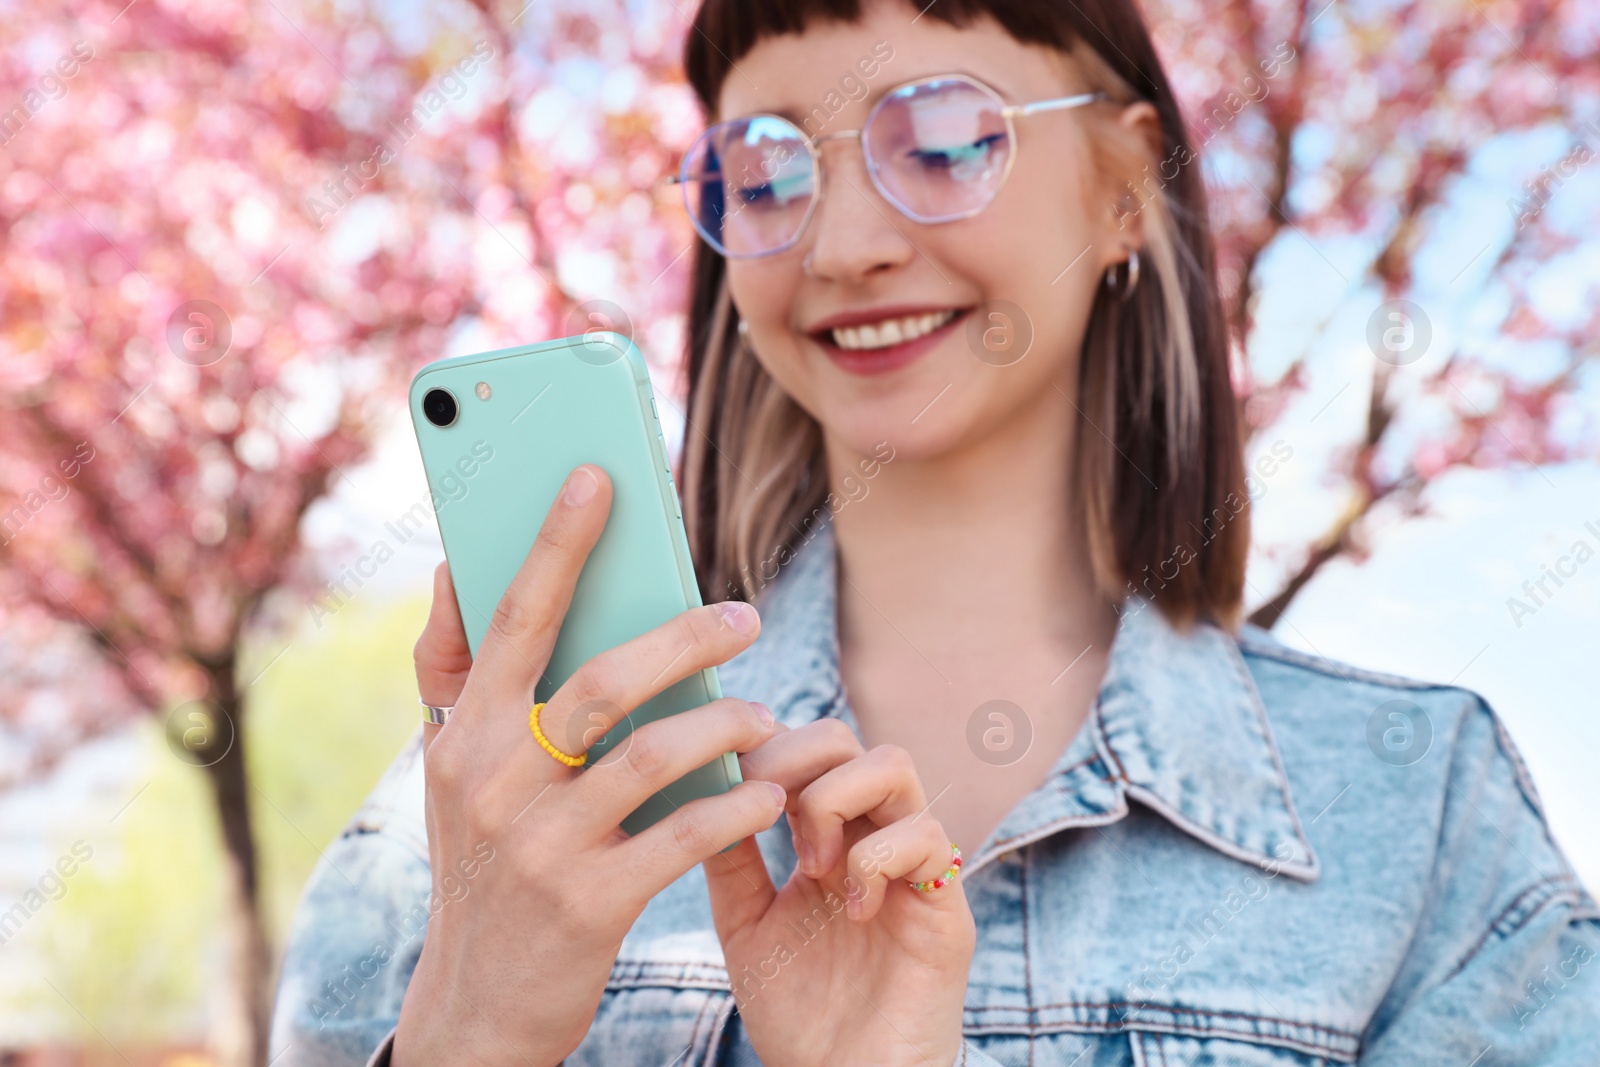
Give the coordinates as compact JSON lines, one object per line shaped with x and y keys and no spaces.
{"x":440,"y":407}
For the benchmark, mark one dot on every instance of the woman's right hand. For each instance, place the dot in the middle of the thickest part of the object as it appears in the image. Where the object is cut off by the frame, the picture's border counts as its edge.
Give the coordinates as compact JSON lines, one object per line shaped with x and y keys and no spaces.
{"x":512,"y":969}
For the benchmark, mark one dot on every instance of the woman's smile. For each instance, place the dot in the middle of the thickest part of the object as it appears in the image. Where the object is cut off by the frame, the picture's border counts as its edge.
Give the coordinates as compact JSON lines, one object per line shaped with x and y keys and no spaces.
{"x":879,"y":340}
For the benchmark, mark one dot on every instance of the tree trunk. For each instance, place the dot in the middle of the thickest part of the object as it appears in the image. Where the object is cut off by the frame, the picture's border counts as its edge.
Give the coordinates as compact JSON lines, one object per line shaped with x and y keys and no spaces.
{"x":240,"y":1036}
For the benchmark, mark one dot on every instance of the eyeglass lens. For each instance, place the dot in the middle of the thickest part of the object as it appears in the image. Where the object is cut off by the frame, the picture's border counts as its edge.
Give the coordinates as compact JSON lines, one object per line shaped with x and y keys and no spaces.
{"x":938,"y":150}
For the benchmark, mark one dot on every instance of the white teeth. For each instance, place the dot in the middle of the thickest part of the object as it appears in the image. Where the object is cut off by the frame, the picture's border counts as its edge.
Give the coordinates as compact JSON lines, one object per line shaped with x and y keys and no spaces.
{"x":890,"y":331}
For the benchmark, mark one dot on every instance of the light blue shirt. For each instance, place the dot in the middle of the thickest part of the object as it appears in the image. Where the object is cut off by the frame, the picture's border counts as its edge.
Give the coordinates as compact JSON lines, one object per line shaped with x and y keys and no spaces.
{"x":1248,"y":855}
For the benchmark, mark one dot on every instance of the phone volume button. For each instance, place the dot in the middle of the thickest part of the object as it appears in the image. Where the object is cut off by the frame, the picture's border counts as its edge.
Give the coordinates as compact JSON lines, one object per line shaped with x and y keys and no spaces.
{"x":672,"y":491}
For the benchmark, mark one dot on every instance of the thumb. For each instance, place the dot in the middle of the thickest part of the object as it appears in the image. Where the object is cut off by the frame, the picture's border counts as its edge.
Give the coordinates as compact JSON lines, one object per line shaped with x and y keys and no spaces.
{"x":441,"y":656}
{"x":740,"y":887}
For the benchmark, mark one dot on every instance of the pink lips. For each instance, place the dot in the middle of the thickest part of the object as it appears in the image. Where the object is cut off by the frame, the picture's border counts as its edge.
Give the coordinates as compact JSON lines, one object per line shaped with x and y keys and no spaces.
{"x":882,"y":360}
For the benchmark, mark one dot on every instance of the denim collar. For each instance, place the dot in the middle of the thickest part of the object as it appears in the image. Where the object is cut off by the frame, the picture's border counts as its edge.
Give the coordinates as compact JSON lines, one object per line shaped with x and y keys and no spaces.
{"x":1179,"y":726}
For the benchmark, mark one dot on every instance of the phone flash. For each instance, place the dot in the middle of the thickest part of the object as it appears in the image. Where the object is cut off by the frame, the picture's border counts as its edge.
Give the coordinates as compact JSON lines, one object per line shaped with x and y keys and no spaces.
{"x":482,"y":390}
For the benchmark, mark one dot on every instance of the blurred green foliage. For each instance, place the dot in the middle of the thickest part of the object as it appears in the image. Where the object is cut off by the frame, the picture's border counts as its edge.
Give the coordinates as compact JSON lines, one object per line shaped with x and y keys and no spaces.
{"x":131,"y":943}
{"x":325,"y":721}
{"x":137,"y":940}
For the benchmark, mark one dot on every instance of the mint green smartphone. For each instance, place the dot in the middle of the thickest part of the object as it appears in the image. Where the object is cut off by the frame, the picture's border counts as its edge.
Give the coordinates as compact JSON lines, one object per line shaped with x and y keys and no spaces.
{"x":499,"y":433}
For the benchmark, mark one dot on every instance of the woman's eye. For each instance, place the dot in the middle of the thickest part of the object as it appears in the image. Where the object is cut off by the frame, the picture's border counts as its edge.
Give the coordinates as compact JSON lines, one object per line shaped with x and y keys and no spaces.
{"x":957,"y":156}
{"x":781,"y":192}
{"x":756,"y":195}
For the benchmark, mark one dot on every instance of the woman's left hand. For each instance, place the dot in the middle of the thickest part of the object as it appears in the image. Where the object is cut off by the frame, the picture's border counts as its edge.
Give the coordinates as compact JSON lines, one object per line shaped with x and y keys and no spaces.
{"x":815,"y":982}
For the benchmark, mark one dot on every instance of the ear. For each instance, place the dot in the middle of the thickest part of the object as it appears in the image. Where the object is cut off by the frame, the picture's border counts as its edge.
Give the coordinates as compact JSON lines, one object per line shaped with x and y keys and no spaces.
{"x":1141,"y":119}
{"x":1135,"y":178}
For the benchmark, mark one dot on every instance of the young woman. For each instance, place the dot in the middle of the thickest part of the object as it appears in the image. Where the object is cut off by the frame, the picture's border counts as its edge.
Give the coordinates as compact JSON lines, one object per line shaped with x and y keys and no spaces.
{"x":960,"y":429}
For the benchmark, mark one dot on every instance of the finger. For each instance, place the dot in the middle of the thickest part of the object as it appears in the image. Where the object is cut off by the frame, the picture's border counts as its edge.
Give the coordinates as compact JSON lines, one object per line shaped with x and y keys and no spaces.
{"x":441,"y":655}
{"x":659,"y":753}
{"x":881,"y":786}
{"x":908,"y":850}
{"x":696,"y":833}
{"x":524,"y":625}
{"x":796,"y":758}
{"x":603,"y":691}
{"x":739,"y":883}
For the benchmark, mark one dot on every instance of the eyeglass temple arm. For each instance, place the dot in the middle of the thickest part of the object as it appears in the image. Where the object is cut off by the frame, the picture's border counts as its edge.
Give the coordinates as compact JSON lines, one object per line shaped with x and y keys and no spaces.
{"x":1057,"y":104}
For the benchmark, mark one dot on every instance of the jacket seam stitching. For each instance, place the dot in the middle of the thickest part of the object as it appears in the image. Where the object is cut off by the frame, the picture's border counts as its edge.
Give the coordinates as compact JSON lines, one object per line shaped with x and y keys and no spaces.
{"x":1027,"y":957}
{"x":1063,"y":772}
{"x":1032,"y":1010}
{"x":1560,"y":889}
{"x":359,"y":826}
{"x":1103,"y":745}
{"x":715,"y":986}
{"x":1250,"y":646}
{"x":1525,"y":785}
{"x":1310,"y":1048}
{"x":1264,"y":723}
{"x":1502,"y":738}
{"x":1066,"y":822}
{"x":685,"y":965}
{"x":1308,"y":871}
{"x":1214,"y":1013}
{"x":694,"y":1032}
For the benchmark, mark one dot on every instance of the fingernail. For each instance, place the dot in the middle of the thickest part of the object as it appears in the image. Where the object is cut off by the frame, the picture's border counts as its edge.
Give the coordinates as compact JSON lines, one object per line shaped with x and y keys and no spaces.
{"x":853,"y":907}
{"x":777,"y":792}
{"x":808,"y":858}
{"x":580,"y":489}
{"x":764,"y":712}
{"x":739,"y":615}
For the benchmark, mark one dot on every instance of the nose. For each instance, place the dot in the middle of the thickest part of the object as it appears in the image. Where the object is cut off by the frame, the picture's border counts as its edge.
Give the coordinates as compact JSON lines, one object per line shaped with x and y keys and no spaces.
{"x":855,"y":233}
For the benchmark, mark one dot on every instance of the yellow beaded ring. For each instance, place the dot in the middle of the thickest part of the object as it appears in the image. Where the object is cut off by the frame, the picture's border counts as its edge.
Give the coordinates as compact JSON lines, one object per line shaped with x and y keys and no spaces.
{"x":948,"y":876}
{"x":544,"y":742}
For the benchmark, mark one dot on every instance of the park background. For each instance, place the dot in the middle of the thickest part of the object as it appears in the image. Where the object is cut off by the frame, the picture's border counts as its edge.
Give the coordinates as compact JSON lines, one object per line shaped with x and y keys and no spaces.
{"x":203,"y":671}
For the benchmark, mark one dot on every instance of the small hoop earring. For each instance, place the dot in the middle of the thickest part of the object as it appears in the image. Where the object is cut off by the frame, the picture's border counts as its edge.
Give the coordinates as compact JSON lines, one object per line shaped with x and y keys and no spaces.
{"x":744,"y":330}
{"x":1133,"y":276}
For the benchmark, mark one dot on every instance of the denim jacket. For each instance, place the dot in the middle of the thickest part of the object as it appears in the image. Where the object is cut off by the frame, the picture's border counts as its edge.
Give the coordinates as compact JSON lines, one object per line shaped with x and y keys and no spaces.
{"x":1248,"y":855}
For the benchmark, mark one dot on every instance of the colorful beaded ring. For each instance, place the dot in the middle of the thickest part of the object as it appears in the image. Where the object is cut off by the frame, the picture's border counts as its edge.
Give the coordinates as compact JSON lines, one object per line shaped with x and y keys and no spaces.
{"x":948,"y":876}
{"x":544,"y":742}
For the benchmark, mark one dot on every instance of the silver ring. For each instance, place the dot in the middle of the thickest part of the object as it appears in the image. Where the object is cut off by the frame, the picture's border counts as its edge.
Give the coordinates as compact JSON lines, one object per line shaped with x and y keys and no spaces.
{"x":437,"y":716}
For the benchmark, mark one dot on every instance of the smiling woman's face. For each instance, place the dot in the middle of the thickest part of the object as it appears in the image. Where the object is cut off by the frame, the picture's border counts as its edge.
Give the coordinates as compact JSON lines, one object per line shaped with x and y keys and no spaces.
{"x":1033,"y":257}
